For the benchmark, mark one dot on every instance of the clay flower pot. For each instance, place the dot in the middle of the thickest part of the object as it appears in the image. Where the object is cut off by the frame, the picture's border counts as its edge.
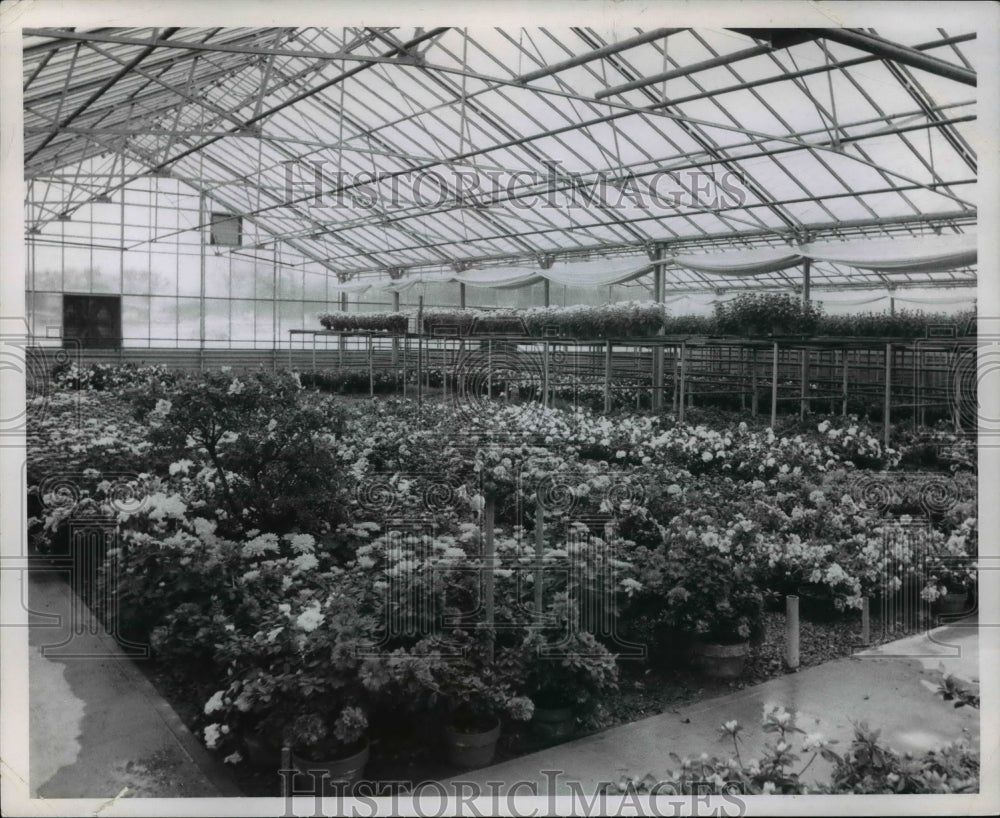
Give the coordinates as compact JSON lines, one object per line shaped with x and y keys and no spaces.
{"x":469,"y":750}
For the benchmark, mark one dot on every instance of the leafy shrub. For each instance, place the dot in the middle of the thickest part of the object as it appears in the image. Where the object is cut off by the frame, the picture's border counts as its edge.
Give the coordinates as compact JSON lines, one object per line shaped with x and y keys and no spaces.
{"x":107,"y":377}
{"x":764,"y":313}
{"x":269,"y":442}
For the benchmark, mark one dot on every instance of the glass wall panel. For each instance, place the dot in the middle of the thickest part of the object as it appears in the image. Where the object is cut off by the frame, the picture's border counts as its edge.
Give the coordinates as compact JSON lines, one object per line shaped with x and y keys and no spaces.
{"x":188,"y":322}
{"x":217,"y":322}
{"x":106,"y":271}
{"x":315,"y":286}
{"x":189,"y":275}
{"x":263,"y":281}
{"x":76,"y":269}
{"x":264,"y":334}
{"x":48,"y":268}
{"x":290,"y":283}
{"x":136,"y":274}
{"x":241,"y":277}
{"x":135,"y":320}
{"x":216,"y":276}
{"x":45,"y":316}
{"x":290,"y":316}
{"x":242,"y":322}
{"x":162,"y":272}
{"x":163,"y":321}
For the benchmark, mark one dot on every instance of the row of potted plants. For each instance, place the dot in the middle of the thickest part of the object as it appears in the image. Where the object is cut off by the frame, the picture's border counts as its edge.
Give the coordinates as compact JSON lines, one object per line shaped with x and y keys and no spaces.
{"x":395,"y":322}
{"x":749,"y":314}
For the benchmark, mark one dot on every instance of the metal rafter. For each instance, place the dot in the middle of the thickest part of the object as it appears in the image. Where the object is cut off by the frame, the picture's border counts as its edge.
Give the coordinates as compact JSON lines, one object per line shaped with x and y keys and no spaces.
{"x":443,"y":110}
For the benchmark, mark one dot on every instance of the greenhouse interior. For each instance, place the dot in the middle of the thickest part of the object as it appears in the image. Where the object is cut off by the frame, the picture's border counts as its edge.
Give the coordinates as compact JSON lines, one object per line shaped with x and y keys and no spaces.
{"x":415,"y":406}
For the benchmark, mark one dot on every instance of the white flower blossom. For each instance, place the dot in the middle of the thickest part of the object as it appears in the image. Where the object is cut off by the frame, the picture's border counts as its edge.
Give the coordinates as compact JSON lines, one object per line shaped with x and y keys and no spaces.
{"x":212,"y":734}
{"x":215,"y":703}
{"x":310,"y":619}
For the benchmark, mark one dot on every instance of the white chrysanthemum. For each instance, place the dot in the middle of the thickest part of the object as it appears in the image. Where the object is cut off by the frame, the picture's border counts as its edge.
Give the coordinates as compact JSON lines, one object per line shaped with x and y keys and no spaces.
{"x":305,"y":562}
{"x":301,"y":543}
{"x":310,"y":619}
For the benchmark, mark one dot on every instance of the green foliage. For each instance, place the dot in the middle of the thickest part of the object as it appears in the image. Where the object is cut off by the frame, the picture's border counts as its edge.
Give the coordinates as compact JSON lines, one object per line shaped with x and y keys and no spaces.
{"x":394,"y":322}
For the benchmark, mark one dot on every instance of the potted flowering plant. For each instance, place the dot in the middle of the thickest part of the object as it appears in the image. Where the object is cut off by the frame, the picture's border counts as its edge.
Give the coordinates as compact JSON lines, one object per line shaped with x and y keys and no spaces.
{"x":293,"y":668}
{"x":952,"y":574}
{"x":330,"y":740}
{"x":452,"y":676}
{"x":707,"y":591}
{"x":478,"y":696}
{"x":767,"y":313}
{"x":566,"y":672}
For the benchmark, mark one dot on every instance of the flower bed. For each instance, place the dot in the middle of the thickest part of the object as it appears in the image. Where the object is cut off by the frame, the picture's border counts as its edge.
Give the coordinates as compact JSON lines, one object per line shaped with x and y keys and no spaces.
{"x":266,"y":528}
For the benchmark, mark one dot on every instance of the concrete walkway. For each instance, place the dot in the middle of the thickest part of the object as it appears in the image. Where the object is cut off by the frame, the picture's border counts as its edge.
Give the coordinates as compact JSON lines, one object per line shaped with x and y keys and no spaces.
{"x":892,"y":688}
{"x":97,"y":725}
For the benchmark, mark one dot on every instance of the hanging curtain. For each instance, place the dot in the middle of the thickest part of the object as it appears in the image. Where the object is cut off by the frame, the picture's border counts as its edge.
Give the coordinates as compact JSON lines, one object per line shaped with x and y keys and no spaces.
{"x":742,"y":262}
{"x":599,"y":273}
{"x":352,"y":287}
{"x":500,"y":278}
{"x":925,"y":254}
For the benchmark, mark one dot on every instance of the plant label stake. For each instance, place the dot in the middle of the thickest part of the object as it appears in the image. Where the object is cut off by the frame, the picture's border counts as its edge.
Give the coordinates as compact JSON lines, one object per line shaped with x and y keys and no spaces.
{"x":866,"y":632}
{"x":539,"y":546}
{"x":792,"y":631}
{"x":488,"y":558}
{"x":420,"y":354}
{"x":888,"y":391}
{"x":774,"y":387}
{"x":371,"y":368}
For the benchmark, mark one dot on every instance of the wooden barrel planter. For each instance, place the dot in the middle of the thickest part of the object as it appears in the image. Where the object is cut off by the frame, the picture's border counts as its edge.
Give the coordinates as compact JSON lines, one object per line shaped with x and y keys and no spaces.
{"x":552,"y":725}
{"x":719,"y":661}
{"x":952,"y":604}
{"x":335,"y":773}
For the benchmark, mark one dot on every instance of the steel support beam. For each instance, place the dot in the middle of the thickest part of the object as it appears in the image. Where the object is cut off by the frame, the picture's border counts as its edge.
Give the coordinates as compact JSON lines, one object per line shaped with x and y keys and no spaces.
{"x":109,"y":83}
{"x":715,"y":62}
{"x":598,"y":53}
{"x":259,"y":51}
{"x":888,"y":50}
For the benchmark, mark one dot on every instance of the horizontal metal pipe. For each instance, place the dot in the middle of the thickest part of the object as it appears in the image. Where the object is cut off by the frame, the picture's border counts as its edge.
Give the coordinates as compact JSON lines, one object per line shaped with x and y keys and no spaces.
{"x":898,"y":53}
{"x":723,"y":59}
{"x":598,"y":53}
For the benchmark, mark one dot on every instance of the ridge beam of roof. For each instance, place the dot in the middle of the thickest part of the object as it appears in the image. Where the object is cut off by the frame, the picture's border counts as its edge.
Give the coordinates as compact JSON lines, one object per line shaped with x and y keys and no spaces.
{"x":598,"y":53}
{"x":905,"y":55}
